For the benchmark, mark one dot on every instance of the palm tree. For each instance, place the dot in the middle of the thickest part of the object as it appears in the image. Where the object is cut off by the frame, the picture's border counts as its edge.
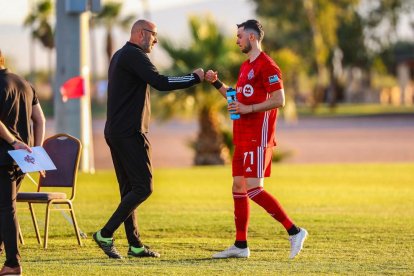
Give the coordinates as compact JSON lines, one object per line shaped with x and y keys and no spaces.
{"x":208,"y":48}
{"x":39,"y":22}
{"x":109,"y":17}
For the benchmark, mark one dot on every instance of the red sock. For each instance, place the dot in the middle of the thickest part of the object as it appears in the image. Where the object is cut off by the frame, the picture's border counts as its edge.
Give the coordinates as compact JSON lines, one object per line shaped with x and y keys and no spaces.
{"x":241,"y":215}
{"x":271,"y":205}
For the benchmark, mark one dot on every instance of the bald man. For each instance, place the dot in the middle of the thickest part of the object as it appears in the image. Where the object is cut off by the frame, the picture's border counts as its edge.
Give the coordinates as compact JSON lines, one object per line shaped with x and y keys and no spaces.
{"x":130,"y":75}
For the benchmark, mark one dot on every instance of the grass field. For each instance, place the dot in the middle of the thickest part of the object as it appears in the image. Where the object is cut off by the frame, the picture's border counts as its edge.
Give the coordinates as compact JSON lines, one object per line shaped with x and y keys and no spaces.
{"x":360,"y":218}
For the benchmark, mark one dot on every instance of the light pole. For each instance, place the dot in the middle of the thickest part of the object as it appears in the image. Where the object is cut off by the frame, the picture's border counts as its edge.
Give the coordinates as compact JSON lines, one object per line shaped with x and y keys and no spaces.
{"x":72,"y":54}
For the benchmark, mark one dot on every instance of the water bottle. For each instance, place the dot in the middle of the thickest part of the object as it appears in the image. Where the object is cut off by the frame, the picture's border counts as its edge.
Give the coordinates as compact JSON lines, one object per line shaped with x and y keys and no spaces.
{"x":231,"y":97}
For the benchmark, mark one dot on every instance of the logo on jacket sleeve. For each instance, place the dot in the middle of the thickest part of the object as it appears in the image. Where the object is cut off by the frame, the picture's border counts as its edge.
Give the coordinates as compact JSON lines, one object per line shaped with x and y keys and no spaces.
{"x":273,"y":79}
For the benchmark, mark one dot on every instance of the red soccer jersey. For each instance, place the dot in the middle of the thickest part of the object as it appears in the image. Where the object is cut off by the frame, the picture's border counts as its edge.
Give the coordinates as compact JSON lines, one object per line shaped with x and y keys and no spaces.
{"x":256,"y":80}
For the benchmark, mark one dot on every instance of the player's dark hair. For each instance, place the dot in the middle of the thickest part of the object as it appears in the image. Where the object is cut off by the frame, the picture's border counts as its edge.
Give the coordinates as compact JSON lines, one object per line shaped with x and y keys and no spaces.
{"x":253,"y":25}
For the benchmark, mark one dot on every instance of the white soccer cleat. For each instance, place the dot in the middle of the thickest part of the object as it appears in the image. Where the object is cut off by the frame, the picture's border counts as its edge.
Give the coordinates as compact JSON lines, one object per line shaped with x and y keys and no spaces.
{"x":296,"y":242}
{"x":233,"y":252}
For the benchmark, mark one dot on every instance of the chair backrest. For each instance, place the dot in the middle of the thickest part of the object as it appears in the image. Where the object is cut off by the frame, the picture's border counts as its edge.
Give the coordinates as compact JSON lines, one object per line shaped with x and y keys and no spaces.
{"x":65,"y":151}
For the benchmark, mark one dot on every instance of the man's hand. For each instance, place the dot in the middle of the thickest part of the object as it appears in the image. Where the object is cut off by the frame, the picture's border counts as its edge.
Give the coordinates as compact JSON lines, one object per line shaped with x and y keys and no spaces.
{"x":211,"y":76}
{"x":200,"y":73}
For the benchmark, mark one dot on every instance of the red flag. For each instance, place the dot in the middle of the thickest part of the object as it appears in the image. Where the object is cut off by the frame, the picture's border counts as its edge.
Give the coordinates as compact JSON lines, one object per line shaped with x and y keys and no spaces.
{"x":73,"y":88}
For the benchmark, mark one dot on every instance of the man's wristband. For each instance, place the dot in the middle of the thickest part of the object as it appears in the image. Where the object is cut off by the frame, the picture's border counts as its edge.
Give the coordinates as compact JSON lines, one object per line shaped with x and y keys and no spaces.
{"x":14,"y":142}
{"x":217,"y":84}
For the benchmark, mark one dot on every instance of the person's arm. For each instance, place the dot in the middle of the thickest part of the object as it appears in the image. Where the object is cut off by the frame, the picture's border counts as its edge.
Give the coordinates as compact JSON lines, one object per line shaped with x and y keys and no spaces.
{"x":212,"y":77}
{"x":39,"y":121}
{"x":143,"y":67}
{"x":6,"y":135}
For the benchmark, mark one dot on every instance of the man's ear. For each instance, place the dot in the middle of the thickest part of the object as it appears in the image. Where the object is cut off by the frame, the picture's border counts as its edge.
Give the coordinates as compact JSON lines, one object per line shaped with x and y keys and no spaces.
{"x":252,"y":37}
{"x":140,"y":35}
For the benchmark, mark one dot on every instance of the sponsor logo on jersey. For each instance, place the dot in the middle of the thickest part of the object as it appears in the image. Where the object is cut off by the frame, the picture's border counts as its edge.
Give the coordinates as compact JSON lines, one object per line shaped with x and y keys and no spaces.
{"x":273,"y":79}
{"x":248,"y":169}
{"x":250,"y":75}
{"x":248,"y":90}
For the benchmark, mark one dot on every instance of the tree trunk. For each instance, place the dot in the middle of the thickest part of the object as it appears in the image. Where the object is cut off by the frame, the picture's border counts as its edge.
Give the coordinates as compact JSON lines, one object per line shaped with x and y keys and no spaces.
{"x":289,"y":111}
{"x":332,"y":92}
{"x":209,"y":145}
{"x":320,"y":50}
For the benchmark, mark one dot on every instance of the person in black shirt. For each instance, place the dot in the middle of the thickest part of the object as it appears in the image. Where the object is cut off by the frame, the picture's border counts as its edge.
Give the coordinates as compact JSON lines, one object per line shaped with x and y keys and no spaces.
{"x":130,"y":75}
{"x":18,"y":107}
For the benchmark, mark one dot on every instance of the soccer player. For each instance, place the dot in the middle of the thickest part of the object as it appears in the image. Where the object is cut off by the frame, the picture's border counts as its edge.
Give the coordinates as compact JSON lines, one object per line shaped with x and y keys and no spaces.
{"x":259,"y":94}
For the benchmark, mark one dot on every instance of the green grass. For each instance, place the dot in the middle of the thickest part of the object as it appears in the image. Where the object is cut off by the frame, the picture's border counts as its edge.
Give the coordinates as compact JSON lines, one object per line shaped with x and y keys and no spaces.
{"x":359,"y":216}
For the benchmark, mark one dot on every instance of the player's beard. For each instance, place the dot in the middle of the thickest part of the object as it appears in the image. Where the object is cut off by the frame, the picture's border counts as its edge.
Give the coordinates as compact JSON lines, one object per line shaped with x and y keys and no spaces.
{"x":247,"y":48}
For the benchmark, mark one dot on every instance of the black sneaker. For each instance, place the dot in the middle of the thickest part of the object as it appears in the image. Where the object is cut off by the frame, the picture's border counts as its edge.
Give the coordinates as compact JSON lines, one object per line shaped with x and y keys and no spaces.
{"x":146,"y":252}
{"x":107,"y":247}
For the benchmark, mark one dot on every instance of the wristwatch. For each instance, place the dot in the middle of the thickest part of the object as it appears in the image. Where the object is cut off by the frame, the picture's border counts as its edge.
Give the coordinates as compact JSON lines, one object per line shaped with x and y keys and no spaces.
{"x":14,"y":142}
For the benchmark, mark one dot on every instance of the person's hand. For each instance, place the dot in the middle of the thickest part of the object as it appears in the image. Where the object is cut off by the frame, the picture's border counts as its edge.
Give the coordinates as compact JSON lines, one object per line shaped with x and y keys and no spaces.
{"x":211,"y":76}
{"x":43,"y":173}
{"x":239,"y":108}
{"x":21,"y":145}
{"x":200,"y":73}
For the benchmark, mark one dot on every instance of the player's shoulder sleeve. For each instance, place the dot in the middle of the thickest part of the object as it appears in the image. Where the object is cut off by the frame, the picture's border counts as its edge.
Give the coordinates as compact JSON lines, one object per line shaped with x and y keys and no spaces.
{"x":271,"y":74}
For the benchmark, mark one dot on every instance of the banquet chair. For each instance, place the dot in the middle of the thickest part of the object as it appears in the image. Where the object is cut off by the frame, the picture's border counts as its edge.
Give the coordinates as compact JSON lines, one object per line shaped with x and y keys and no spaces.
{"x":64,"y":150}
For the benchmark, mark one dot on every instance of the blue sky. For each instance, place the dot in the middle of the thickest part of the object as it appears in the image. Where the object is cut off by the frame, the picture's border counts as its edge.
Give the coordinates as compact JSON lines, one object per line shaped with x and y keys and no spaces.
{"x":171,"y":16}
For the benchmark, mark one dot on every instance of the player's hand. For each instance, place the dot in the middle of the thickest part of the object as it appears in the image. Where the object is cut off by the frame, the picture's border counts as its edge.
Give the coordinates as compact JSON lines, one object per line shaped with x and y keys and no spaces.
{"x":200,"y":73}
{"x":211,"y":76}
{"x":239,"y":108}
{"x":21,"y":145}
